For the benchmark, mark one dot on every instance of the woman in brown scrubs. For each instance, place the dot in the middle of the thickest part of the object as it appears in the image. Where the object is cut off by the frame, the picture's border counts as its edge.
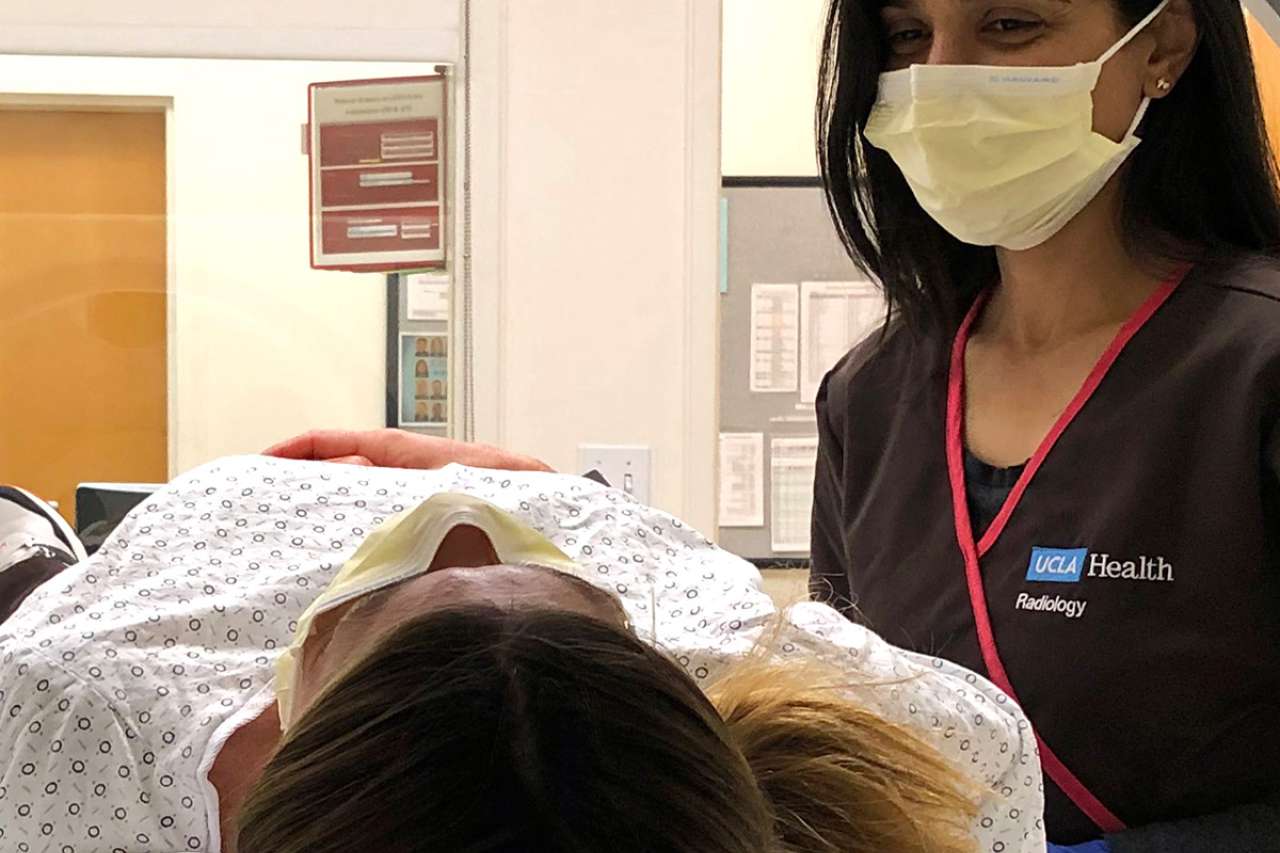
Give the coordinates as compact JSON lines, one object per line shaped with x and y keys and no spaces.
{"x":1057,"y":464}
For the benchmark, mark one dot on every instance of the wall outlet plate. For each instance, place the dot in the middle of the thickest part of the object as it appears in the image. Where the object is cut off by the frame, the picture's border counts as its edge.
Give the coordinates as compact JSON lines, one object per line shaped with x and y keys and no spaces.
{"x":626,"y":467}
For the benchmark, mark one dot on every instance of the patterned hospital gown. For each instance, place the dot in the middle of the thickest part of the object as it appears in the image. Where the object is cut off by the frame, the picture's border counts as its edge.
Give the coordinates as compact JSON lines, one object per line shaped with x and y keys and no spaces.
{"x":122,"y":677}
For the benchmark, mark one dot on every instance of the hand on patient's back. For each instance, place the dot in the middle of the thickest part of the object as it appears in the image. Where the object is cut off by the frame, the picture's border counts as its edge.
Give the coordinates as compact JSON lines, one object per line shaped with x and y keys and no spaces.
{"x":351,"y":460}
{"x":393,"y":448}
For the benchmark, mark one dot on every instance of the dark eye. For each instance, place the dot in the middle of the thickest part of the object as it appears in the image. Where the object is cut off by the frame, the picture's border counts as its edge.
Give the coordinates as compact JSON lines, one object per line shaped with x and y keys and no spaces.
{"x":1011,"y":26}
{"x":907,"y":39}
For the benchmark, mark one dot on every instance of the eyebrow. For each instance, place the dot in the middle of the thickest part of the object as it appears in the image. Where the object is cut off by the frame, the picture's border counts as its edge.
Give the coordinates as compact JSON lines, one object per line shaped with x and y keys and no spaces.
{"x":908,"y":4}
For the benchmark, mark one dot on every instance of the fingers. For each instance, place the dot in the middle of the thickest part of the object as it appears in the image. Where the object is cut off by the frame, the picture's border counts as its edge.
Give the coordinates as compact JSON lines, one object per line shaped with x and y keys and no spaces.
{"x":392,"y":448}
{"x":324,"y":444}
{"x":291,"y":448}
{"x":484,"y":456}
{"x":401,"y":449}
{"x":352,"y":460}
{"x":317,"y":444}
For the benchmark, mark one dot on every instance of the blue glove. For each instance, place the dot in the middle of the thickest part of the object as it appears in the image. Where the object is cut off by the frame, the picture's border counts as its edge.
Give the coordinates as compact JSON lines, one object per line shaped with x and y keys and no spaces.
{"x":1087,"y":847}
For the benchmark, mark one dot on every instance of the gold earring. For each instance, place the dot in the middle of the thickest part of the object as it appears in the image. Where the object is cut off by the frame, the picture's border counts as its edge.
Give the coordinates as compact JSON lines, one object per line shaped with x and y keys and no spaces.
{"x":1163,"y":85}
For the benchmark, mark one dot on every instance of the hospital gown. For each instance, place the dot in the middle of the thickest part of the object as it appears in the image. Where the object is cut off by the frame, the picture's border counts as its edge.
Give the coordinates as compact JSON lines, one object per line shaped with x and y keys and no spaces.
{"x":123,"y":676}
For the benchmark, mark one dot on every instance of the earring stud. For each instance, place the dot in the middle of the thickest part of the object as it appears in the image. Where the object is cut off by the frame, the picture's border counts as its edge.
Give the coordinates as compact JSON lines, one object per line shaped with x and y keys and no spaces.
{"x":1163,"y":85}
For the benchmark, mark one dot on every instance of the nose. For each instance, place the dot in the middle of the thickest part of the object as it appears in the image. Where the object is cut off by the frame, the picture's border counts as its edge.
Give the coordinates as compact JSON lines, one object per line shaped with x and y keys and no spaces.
{"x":464,"y":546}
{"x":946,"y":48}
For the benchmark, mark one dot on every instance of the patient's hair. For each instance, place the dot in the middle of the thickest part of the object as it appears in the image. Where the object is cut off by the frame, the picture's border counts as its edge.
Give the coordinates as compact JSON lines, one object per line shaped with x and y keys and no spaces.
{"x":481,"y":729}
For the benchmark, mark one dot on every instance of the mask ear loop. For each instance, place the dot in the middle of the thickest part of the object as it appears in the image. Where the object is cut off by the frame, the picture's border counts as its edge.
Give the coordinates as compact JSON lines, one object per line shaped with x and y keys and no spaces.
{"x":1137,"y":119}
{"x":1119,"y":46}
{"x":1133,"y":33}
{"x":358,"y":606}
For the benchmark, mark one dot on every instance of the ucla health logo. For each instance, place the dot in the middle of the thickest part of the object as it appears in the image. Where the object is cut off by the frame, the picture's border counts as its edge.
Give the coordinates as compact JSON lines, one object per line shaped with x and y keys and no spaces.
{"x":1057,"y":565}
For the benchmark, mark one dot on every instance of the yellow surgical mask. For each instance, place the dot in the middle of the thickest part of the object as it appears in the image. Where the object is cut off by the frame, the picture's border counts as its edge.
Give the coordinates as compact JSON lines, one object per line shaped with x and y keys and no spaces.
{"x":1000,"y":155}
{"x":403,"y":548}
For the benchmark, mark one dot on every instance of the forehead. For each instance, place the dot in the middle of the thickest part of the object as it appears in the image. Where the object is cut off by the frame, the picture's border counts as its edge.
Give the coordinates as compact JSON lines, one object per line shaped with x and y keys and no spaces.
{"x":1053,"y":8}
{"x":503,"y":586}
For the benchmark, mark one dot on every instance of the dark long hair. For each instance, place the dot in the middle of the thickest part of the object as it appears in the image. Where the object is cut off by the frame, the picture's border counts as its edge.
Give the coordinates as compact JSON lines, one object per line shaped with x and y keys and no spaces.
{"x":483,"y":730}
{"x":1203,"y":180}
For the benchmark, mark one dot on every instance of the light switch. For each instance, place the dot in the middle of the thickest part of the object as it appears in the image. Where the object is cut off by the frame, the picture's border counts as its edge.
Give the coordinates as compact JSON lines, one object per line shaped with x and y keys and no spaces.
{"x":626,"y":467}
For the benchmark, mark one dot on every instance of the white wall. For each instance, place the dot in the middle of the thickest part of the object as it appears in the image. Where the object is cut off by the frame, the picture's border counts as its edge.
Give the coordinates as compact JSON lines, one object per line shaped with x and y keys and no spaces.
{"x":771,"y":52}
{"x":261,"y":346}
{"x":596,"y":154}
{"x":278,"y":29}
{"x":596,"y":179}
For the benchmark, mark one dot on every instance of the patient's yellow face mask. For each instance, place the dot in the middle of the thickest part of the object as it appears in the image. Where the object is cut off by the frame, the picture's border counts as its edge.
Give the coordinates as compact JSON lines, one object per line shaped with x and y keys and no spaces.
{"x":403,"y":548}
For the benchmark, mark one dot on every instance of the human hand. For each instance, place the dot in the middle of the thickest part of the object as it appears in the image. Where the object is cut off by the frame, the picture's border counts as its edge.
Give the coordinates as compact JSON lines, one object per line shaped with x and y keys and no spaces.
{"x":394,"y":448}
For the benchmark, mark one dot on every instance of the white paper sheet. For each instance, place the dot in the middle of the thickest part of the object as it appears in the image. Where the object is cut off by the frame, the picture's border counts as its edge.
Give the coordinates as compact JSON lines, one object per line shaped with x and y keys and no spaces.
{"x":427,"y":296}
{"x":775,"y":338}
{"x":834,"y":315}
{"x":742,"y":479}
{"x":792,"y":463}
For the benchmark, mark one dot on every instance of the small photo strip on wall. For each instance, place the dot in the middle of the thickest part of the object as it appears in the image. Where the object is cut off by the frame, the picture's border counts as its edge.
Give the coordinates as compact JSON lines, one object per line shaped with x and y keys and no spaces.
{"x":424,"y":380}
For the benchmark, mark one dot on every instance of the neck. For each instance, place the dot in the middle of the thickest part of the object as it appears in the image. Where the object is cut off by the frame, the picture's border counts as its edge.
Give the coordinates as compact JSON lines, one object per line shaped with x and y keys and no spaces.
{"x":239,"y":764}
{"x":1079,"y":280}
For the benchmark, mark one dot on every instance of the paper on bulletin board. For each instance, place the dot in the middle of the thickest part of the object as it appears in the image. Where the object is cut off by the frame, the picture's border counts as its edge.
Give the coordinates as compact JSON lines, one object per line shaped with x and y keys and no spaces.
{"x":427,"y":297}
{"x":742,"y":479}
{"x":834,"y":315}
{"x":792,"y":464}
{"x":724,"y":245}
{"x":775,"y":338}
{"x":424,"y":380}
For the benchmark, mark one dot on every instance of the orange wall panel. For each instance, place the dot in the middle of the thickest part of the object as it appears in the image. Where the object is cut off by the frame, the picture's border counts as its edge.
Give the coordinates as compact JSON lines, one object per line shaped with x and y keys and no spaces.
{"x":83,"y":365}
{"x":1266,"y":59}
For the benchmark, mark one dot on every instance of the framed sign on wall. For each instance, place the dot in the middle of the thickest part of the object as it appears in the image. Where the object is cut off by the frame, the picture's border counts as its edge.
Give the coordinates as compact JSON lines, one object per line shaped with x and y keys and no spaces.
{"x":377,"y":152}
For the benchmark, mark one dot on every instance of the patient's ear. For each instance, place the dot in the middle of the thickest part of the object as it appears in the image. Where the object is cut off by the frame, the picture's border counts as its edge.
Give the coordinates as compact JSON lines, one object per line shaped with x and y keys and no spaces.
{"x":465,"y":547}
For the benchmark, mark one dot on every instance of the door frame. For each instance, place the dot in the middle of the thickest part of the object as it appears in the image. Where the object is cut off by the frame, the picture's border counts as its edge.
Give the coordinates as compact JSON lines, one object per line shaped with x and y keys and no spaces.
{"x":135,"y":104}
{"x":690,"y":477}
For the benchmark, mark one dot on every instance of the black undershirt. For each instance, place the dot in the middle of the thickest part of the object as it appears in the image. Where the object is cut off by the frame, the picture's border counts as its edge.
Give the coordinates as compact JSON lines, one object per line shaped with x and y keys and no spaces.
{"x":986,"y":490}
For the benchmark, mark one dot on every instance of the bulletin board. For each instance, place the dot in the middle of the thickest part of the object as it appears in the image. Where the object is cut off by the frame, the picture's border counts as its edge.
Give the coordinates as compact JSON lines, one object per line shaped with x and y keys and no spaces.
{"x":781,"y":259}
{"x":421,"y":374}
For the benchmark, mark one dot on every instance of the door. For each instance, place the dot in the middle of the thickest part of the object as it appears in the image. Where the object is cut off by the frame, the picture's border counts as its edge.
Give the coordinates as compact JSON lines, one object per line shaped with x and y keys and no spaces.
{"x":83,"y":372}
{"x":1266,"y":60}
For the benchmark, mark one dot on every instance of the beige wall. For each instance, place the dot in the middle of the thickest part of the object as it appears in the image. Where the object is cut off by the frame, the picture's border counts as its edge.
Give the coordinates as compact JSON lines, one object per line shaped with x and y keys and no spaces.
{"x":278,"y":29}
{"x":771,"y":51}
{"x":596,"y":144}
{"x":596,"y":152}
{"x":260,"y":345}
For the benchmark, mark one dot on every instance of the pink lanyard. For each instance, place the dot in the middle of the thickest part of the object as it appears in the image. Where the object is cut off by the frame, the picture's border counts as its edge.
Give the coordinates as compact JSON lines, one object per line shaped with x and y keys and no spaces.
{"x":973,"y":552}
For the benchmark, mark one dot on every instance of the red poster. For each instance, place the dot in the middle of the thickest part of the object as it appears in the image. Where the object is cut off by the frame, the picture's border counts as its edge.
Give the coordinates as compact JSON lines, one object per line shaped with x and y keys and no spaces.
{"x":377,"y":152}
{"x":398,"y":229}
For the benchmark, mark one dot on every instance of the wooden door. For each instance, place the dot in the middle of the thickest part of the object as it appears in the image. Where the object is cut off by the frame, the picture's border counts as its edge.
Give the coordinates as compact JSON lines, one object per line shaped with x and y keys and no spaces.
{"x":1266,"y":60}
{"x":83,"y":371}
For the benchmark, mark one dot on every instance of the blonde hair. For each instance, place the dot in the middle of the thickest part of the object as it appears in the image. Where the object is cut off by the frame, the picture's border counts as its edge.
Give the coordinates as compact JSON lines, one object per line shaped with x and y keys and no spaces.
{"x":839,"y":778}
{"x":499,"y":730}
